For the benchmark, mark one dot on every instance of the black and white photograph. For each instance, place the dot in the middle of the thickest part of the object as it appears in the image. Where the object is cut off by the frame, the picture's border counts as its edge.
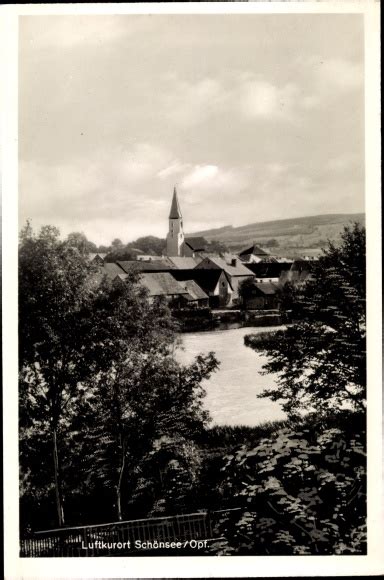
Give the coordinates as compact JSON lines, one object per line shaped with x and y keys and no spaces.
{"x":192,"y":287}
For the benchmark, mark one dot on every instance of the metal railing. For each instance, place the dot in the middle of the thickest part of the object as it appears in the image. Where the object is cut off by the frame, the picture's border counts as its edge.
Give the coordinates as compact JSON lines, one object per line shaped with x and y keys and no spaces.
{"x":183,"y":533}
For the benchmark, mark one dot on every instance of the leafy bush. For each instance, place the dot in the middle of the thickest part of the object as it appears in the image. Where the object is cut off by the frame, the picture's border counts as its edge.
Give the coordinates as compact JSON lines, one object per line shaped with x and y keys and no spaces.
{"x":301,"y":491}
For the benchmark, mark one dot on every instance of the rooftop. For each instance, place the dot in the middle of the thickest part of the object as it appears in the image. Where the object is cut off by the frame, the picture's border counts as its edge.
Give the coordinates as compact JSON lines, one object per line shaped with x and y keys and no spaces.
{"x":161,"y":284}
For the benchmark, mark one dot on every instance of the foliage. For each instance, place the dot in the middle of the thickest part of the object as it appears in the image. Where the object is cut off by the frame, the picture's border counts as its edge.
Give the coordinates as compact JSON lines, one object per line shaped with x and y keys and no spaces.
{"x":72,"y":324}
{"x":147,"y":396}
{"x":55,"y":326}
{"x":216,"y":247}
{"x":145,"y":245}
{"x":301,"y":491}
{"x":272,"y":243}
{"x":79,"y":240}
{"x":168,"y":475}
{"x":150,"y":245}
{"x":245,"y":289}
{"x":98,"y":382}
{"x":320,"y":360}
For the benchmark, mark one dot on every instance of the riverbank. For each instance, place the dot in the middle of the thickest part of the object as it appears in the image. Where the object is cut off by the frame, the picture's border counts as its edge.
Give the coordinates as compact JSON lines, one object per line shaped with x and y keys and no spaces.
{"x":205,"y":319}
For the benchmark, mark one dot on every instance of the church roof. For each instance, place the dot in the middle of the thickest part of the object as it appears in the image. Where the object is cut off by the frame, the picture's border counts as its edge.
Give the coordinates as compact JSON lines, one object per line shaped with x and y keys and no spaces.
{"x":175,"y":212}
{"x":196,"y":243}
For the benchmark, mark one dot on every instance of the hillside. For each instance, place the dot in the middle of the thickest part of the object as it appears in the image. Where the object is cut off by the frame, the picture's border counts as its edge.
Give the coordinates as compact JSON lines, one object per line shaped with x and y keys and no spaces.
{"x":285,"y":237}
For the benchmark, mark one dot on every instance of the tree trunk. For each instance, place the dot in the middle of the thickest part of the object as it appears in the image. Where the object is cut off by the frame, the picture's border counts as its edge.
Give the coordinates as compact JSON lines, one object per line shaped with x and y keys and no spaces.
{"x":59,"y":503}
{"x":119,"y":484}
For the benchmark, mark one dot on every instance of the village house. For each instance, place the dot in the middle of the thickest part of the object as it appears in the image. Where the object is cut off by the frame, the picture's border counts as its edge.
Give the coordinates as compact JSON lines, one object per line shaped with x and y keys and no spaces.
{"x":301,"y":271}
{"x":197,"y":298}
{"x":275,"y":272}
{"x":234,"y":269}
{"x":260,"y":296}
{"x":214,"y":282}
{"x":194,"y":246}
{"x":159,"y":265}
{"x":112,"y":269}
{"x":183,"y":263}
{"x":253,"y":254}
{"x":97,"y":258}
{"x":163,"y":284}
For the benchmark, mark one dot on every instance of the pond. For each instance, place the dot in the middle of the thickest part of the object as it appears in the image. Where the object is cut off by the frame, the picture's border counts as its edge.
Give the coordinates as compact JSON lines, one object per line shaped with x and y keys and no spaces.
{"x":232,"y":389}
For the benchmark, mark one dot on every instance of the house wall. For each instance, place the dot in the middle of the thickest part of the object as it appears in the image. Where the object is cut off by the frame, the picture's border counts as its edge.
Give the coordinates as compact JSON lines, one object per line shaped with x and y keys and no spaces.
{"x":235,"y":283}
{"x":223,"y":291}
{"x":187,"y":252}
{"x":268,"y":302}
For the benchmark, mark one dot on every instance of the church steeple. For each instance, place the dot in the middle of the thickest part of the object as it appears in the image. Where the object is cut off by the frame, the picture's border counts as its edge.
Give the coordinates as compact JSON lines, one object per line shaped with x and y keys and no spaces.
{"x":175,"y":212}
{"x":175,"y":236}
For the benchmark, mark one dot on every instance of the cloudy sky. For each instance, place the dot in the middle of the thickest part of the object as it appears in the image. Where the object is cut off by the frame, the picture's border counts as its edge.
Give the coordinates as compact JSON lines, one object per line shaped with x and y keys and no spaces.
{"x":254,"y":117}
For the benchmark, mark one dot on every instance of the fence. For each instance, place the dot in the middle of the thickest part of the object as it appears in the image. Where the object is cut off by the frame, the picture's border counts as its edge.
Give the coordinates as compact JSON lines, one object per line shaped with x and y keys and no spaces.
{"x":138,"y":537}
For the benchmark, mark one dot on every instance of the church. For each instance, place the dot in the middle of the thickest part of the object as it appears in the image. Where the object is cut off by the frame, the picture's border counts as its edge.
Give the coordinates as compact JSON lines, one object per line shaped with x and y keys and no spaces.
{"x":177,"y":243}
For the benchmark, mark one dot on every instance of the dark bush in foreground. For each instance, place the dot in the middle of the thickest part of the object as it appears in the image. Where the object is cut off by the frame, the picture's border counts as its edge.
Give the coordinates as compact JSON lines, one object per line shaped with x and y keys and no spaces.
{"x":301,"y":490}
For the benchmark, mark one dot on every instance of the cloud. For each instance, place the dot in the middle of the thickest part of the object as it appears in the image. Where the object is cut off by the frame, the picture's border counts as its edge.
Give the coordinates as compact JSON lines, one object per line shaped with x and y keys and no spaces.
{"x":260,"y":99}
{"x":241,"y":95}
{"x":175,"y":168}
{"x":189,"y":103}
{"x":200,"y":175}
{"x":340,"y":75}
{"x":63,"y":32}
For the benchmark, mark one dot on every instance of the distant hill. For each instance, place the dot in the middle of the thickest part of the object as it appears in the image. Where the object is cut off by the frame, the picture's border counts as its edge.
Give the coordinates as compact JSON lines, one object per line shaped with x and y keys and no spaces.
{"x":285,"y":237}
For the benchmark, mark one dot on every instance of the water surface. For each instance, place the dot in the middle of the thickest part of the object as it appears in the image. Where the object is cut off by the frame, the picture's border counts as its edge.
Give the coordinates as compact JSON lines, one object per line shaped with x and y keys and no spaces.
{"x":231,"y":391}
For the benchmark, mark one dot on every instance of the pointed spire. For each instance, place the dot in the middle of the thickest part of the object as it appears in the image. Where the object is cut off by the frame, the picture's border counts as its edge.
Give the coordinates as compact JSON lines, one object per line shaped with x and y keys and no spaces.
{"x":175,"y":212}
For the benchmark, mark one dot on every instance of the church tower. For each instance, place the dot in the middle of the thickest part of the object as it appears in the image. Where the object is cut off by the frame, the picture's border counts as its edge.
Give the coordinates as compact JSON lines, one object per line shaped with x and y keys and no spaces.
{"x":175,"y":236}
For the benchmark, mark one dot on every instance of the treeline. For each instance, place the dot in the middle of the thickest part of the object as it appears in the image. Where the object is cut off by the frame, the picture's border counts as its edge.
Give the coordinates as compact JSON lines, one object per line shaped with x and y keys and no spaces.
{"x":117,"y":250}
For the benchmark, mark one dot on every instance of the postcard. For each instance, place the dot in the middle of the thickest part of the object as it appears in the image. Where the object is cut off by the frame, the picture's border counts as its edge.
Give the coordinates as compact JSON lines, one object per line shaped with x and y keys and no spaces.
{"x":192,"y":290}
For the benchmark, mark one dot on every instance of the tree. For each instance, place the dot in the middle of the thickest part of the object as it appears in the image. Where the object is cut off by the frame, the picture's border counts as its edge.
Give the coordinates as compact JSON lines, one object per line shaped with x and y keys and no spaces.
{"x":52,"y":296}
{"x":149,"y":245}
{"x":72,"y":323}
{"x":320,"y":359}
{"x":272,"y":243}
{"x":215,"y":246}
{"x":79,"y":240}
{"x":147,"y":396}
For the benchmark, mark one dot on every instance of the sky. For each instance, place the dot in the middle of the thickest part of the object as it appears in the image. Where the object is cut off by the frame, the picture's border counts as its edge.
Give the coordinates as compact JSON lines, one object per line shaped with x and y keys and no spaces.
{"x":253,"y":117}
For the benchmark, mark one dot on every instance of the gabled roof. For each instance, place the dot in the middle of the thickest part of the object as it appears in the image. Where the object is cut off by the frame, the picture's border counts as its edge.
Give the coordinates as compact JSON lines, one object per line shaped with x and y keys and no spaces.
{"x":93,"y":255}
{"x":112,"y":270}
{"x":161,"y":284}
{"x":255,"y":250}
{"x":196,"y":292}
{"x":163,"y":265}
{"x":238,"y":270}
{"x":175,"y":212}
{"x":183,"y":263}
{"x":206,"y":279}
{"x":197,"y":244}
